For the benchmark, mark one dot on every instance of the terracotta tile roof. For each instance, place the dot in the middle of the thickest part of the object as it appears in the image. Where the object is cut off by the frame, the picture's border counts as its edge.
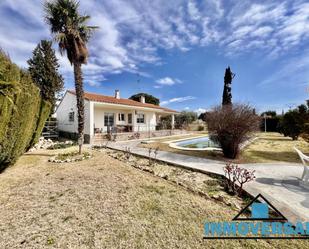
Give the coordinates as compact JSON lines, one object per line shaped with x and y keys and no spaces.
{"x":112,"y":100}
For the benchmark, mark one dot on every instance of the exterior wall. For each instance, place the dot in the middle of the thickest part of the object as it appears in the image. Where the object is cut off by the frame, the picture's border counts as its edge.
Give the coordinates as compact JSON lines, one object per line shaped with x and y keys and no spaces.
{"x":67,"y":105}
{"x":150,"y":118}
{"x":99,"y":112}
{"x":150,"y":122}
{"x":94,"y":117}
{"x":100,"y":138}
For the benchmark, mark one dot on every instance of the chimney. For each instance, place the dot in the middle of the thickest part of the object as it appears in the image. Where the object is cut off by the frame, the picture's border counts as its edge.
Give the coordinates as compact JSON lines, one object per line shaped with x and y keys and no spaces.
{"x":142,"y":99}
{"x":117,"y":94}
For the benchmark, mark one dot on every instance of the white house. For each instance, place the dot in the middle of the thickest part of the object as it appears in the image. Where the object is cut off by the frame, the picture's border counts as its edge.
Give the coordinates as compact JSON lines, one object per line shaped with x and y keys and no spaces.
{"x":105,"y":113}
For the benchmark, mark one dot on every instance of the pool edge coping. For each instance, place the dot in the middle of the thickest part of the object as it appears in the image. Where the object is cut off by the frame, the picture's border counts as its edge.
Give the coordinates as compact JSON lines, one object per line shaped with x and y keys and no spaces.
{"x":173,"y":145}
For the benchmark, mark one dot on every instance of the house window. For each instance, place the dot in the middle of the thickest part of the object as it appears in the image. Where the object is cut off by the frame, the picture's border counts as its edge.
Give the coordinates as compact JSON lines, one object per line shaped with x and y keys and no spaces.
{"x":130,"y":118}
{"x":109,"y":119}
{"x":121,"y":117}
{"x":71,"y":116}
{"x":140,"y":118}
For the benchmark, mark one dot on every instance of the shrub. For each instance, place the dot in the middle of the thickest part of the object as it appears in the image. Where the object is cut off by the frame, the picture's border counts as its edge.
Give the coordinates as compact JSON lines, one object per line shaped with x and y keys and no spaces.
{"x":185,"y":118}
{"x":182,"y":120}
{"x":236,"y":178}
{"x":295,"y":122}
{"x":22,"y":112}
{"x":230,"y":126}
{"x":290,"y":124}
{"x":200,"y":128}
{"x":44,"y":112}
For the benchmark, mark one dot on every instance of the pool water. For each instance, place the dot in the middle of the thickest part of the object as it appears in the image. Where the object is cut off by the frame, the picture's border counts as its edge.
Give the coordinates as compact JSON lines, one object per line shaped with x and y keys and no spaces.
{"x":201,"y":142}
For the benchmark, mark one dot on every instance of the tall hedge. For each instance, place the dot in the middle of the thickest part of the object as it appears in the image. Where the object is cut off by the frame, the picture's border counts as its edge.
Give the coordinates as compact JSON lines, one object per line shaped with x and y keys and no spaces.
{"x":22,"y":111}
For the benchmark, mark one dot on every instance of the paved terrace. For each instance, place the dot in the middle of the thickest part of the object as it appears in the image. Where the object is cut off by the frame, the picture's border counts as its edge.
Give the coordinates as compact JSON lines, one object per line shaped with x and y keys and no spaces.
{"x":278,"y":182}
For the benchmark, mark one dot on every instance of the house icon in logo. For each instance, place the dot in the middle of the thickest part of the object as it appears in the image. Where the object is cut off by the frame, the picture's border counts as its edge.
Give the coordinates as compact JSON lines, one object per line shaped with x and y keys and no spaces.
{"x":260,"y":209}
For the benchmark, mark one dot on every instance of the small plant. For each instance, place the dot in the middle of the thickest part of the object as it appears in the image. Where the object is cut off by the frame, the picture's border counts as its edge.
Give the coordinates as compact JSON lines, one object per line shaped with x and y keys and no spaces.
{"x":150,"y":159}
{"x":106,"y":144}
{"x":236,"y":178}
{"x":57,"y":146}
{"x":149,"y":156}
{"x":111,"y":136}
{"x":50,"y":241}
{"x":200,"y":128}
{"x":70,"y":157}
{"x":156,"y":153}
{"x":127,"y":153}
{"x":136,"y":135}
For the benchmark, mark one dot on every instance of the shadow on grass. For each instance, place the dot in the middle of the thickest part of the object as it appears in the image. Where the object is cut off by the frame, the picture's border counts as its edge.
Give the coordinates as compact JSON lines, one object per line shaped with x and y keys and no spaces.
{"x":286,"y":139}
{"x":39,"y":154}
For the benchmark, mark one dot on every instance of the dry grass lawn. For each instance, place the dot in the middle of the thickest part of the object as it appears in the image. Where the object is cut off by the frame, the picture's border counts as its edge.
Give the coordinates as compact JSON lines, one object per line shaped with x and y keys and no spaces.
{"x":270,"y":147}
{"x":104,"y":203}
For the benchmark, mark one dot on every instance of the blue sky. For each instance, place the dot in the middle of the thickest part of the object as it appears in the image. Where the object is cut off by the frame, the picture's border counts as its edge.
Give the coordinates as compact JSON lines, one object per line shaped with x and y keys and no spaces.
{"x":178,"y":50}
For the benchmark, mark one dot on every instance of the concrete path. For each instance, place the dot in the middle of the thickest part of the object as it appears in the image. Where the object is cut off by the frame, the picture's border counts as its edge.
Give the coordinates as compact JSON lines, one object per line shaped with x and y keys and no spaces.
{"x":278,"y":182}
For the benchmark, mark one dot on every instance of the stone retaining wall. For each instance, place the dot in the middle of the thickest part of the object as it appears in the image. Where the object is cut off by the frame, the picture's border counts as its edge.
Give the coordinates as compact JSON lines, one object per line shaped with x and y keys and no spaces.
{"x":139,"y":135}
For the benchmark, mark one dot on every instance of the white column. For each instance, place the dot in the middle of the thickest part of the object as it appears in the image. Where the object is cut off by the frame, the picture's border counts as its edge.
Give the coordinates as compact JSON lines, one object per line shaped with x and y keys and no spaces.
{"x":133,"y":121}
{"x":91,"y":119}
{"x":173,"y":122}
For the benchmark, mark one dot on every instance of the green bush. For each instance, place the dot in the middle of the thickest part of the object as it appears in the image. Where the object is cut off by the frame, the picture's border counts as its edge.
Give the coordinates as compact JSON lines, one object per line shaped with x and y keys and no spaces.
{"x":45,"y":109}
{"x":295,"y":122}
{"x":22,"y":111}
{"x":200,"y":128}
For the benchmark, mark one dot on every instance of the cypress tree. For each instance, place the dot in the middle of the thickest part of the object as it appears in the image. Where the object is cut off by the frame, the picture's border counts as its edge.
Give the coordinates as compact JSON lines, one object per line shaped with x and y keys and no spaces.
{"x":43,"y":67}
{"x":227,"y":91}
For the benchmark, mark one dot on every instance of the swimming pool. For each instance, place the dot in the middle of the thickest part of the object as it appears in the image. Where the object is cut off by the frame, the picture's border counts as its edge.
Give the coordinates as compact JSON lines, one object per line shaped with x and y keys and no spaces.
{"x":197,"y":143}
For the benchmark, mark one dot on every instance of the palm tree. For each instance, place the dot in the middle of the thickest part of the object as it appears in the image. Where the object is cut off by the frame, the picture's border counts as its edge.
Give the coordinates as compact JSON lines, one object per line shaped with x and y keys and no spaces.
{"x":72,"y":34}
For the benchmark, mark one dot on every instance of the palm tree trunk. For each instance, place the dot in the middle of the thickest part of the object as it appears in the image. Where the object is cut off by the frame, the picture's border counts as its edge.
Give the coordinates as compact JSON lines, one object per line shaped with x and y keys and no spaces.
{"x":79,"y":89}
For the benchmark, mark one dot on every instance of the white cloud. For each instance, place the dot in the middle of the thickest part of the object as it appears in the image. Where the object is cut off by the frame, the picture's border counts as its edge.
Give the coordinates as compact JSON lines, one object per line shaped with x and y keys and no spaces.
{"x":132,"y":32}
{"x":292,"y":73}
{"x":167,"y":81}
{"x":177,"y":100}
{"x":274,"y":28}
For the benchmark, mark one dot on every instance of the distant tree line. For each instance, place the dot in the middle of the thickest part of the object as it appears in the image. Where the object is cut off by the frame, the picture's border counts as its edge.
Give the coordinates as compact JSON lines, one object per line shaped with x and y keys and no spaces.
{"x":182,"y":120}
{"x":294,"y":123}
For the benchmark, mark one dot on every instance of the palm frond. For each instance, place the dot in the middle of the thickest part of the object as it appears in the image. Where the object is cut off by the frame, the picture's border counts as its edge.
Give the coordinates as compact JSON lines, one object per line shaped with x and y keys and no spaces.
{"x":69,"y":28}
{"x":83,"y":19}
